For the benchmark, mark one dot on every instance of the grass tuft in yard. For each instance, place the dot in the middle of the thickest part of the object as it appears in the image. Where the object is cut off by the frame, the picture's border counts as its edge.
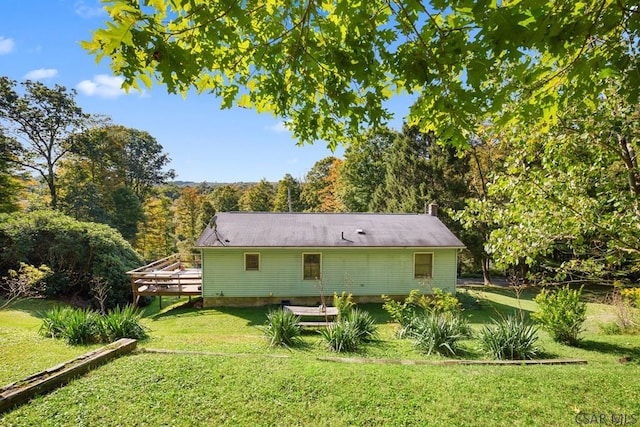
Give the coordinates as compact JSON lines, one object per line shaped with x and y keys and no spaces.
{"x":282,"y":329}
{"x":509,"y":338}
{"x":434,"y":332}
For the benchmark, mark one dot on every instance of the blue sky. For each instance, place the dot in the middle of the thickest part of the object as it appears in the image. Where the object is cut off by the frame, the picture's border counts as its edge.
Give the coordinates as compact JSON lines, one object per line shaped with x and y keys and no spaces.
{"x":40,"y":40}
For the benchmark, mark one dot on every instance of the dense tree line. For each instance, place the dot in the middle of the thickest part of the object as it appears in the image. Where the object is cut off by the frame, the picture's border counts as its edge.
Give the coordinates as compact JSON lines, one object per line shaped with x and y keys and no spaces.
{"x":558,"y":203}
{"x":72,"y":191}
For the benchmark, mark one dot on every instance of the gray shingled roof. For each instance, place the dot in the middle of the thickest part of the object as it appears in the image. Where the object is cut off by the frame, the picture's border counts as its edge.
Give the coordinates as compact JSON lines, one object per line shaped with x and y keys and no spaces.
{"x":266,"y":229}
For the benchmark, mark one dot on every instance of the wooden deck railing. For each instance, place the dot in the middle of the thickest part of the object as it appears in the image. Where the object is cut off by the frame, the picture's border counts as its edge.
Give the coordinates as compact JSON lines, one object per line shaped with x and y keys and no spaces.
{"x":174,"y":275}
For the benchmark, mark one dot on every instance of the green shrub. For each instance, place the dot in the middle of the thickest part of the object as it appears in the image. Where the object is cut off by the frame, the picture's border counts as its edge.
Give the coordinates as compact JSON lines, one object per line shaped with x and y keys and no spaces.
{"x":509,"y":338}
{"x":342,"y":336}
{"x":402,"y":312}
{"x":122,"y":323}
{"x":364,"y":325}
{"x":440,"y":302}
{"x":632,"y":295}
{"x":344,"y":304}
{"x":75,"y":251}
{"x":561,"y":313}
{"x":282,"y":328}
{"x":437,"y":332}
{"x":416,"y":304}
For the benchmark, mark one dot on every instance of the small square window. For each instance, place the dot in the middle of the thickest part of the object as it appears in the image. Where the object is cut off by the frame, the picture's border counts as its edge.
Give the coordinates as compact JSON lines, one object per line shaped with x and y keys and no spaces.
{"x":423,"y":266}
{"x":251,"y":262}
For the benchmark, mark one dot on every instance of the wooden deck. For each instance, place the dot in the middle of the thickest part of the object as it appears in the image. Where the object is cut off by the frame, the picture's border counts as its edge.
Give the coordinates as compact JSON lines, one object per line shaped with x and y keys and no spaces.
{"x":170,"y":276}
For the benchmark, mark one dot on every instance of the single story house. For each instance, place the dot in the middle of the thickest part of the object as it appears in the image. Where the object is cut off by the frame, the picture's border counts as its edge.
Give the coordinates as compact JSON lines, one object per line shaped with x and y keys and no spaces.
{"x":258,"y":258}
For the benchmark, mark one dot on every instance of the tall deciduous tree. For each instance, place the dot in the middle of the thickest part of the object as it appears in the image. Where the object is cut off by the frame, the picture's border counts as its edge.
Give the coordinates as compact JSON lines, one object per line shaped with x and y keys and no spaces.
{"x":315,"y":181}
{"x":225,"y":198}
{"x":327,"y":67}
{"x":144,"y":162}
{"x":100,"y":175}
{"x":571,"y":196}
{"x":406,"y":175}
{"x":258,"y":197}
{"x":363,"y":170}
{"x":188,"y":210}
{"x":330,"y":194}
{"x":156,"y":232}
{"x":10,"y":184}
{"x":287,"y":198}
{"x":44,"y":120}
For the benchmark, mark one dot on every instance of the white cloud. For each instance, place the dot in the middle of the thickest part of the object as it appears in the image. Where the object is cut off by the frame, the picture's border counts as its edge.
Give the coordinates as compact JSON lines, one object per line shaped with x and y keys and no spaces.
{"x":103,"y":86}
{"x":40,"y":74}
{"x":6,"y":45}
{"x":279,"y":127}
{"x":87,"y":12}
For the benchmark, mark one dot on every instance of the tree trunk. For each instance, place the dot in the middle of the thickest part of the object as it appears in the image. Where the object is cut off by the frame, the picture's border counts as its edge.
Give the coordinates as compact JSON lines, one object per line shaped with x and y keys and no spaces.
{"x":485,"y":271}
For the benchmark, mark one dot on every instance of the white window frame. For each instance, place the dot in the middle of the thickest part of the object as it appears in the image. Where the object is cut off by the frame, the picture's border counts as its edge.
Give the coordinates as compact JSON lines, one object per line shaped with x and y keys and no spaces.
{"x":303,"y":263}
{"x":259,"y":261}
{"x":432,"y":263}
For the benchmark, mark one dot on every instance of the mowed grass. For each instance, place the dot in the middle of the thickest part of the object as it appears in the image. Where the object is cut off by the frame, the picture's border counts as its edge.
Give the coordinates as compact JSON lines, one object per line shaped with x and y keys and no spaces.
{"x":23,"y":351}
{"x":247,"y":383}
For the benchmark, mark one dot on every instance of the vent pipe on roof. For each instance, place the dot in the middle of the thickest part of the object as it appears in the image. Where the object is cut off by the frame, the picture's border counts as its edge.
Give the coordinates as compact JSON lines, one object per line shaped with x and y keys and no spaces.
{"x":433,"y":209}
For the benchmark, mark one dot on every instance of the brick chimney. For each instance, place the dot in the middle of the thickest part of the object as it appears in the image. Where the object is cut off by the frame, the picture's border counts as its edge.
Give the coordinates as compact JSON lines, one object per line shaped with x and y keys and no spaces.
{"x":433,"y":209}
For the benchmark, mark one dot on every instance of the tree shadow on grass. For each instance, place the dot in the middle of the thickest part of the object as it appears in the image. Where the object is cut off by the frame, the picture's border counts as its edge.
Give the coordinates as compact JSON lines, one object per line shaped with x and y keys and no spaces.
{"x":626,"y":353}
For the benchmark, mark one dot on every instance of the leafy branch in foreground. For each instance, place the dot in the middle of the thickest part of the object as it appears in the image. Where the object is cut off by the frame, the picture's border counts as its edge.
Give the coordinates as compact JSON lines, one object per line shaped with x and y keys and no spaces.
{"x":328,"y":67}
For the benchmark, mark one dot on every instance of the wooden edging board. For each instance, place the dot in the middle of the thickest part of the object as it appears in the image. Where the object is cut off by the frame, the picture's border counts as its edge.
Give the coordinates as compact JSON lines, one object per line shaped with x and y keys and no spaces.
{"x":454,"y":361}
{"x":210,"y":353}
{"x":21,"y":391}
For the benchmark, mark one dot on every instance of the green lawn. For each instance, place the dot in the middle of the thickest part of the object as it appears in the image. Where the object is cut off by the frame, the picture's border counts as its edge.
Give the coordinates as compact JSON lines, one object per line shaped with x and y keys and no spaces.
{"x":244,"y":384}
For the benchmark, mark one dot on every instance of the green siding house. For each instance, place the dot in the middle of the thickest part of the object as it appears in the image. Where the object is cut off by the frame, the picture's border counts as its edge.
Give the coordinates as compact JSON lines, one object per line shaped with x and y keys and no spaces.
{"x":258,"y":258}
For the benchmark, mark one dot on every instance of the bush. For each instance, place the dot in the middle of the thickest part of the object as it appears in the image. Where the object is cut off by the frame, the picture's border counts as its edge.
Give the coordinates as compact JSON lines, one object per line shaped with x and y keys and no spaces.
{"x":632,"y":295}
{"x":344,"y":304}
{"x":437,"y":332}
{"x":416,"y":304}
{"x":440,"y":302}
{"x":282,"y":328}
{"x":75,"y":251}
{"x":402,"y":312}
{"x":342,"y":336}
{"x":509,"y":338}
{"x":561,"y":313}
{"x":122,"y":323}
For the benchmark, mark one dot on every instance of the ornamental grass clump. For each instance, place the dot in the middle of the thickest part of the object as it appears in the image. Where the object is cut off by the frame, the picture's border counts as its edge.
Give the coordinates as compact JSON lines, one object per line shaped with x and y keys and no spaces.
{"x":509,"y":338}
{"x":282,"y":328}
{"x":122,"y":323}
{"x":364,"y":324}
{"x":561,"y":313}
{"x":85,"y":326}
{"x":342,"y":336}
{"x":437,"y":332}
{"x":53,"y":321}
{"x":76,"y":326}
{"x":349,"y":333}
